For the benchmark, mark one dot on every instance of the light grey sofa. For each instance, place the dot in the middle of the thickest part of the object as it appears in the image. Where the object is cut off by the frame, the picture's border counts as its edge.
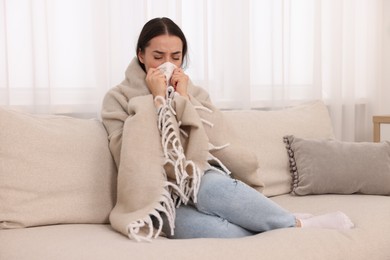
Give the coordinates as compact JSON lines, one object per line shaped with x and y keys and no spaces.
{"x":57,"y":187}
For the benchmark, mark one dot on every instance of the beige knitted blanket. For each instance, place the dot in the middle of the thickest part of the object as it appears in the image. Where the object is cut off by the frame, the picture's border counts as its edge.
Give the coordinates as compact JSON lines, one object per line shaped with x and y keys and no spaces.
{"x":162,"y":156}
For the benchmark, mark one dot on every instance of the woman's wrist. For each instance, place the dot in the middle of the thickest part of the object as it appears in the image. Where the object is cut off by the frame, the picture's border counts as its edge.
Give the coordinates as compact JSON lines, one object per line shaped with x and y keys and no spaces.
{"x":159,"y":101}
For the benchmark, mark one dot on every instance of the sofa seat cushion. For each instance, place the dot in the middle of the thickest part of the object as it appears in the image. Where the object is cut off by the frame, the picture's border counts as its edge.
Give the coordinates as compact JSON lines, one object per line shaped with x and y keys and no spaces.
{"x":368,"y":240}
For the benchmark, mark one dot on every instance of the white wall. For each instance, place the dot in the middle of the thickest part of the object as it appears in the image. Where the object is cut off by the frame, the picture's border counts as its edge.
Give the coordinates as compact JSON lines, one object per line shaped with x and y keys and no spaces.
{"x":385,"y":95}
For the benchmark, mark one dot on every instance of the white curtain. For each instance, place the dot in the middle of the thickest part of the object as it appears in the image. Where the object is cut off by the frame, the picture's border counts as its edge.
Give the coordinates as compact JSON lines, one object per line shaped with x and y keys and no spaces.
{"x":61,"y":56}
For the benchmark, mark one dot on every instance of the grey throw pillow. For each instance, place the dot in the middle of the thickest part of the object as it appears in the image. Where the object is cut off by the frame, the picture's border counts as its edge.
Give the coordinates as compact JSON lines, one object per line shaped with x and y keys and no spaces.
{"x":321,"y":166}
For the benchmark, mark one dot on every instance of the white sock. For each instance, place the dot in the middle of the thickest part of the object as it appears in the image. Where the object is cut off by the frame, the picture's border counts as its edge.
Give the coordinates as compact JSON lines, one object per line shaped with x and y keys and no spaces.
{"x":334,"y":220}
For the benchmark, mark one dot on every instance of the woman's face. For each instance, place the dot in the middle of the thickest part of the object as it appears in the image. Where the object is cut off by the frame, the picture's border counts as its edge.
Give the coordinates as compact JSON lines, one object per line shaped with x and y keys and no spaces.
{"x":161,"y":49}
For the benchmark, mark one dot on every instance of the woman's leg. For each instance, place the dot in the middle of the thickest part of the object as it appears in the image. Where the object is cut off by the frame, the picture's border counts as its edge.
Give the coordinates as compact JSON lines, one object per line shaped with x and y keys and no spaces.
{"x":228,"y":208}
{"x":240,"y":204}
{"x":190,"y":223}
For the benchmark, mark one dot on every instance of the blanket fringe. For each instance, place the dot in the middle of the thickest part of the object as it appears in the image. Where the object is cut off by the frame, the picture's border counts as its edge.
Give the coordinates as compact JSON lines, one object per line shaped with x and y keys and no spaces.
{"x":174,"y":153}
{"x":203,"y":108}
{"x":213,"y":158}
{"x":206,"y":110}
{"x":207,"y":122}
{"x":165,"y":206}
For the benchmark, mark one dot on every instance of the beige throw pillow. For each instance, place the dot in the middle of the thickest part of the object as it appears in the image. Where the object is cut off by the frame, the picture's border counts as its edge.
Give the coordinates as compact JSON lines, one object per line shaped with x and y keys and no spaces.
{"x":54,"y":169}
{"x":262,"y":131}
{"x":330,"y":166}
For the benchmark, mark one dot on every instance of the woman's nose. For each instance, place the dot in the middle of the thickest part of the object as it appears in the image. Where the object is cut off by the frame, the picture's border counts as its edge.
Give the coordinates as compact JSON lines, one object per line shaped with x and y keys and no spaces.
{"x":168,"y":59}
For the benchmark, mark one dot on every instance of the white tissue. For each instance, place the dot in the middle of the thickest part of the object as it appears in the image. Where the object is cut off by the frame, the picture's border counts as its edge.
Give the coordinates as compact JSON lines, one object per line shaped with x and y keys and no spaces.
{"x":167,"y":69}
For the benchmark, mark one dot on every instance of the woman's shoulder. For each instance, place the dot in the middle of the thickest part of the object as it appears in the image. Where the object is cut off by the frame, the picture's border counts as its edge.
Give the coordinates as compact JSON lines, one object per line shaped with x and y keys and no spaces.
{"x":198,"y":92}
{"x":133,"y":84}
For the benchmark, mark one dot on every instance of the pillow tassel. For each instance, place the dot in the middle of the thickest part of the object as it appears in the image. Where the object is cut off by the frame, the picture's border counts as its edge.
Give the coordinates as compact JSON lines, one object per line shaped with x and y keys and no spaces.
{"x":293,"y":166}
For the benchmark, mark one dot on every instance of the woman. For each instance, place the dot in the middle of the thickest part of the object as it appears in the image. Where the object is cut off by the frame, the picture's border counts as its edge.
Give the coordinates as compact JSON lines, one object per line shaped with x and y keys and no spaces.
{"x":180,"y":169}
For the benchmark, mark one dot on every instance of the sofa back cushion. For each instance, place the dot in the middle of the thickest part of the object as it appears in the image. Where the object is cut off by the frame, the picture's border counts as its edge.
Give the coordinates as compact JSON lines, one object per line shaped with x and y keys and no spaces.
{"x":263,"y":131}
{"x":54,"y":169}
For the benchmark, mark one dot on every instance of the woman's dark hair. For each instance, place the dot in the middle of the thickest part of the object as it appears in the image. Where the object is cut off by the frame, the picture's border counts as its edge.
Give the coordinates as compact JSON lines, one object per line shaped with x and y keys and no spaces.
{"x":157,"y":27}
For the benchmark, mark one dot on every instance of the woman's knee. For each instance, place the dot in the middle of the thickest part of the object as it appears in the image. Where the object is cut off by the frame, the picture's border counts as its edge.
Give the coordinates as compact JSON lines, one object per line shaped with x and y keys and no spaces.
{"x":212,"y":190}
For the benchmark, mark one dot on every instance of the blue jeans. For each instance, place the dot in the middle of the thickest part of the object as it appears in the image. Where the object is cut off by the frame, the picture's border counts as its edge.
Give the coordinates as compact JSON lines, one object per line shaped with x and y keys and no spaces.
{"x":227,"y":208}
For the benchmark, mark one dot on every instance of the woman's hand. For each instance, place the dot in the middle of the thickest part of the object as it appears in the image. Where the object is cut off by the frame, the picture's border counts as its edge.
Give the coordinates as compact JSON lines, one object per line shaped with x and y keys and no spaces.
{"x":179,"y":81}
{"x":156,"y":82}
